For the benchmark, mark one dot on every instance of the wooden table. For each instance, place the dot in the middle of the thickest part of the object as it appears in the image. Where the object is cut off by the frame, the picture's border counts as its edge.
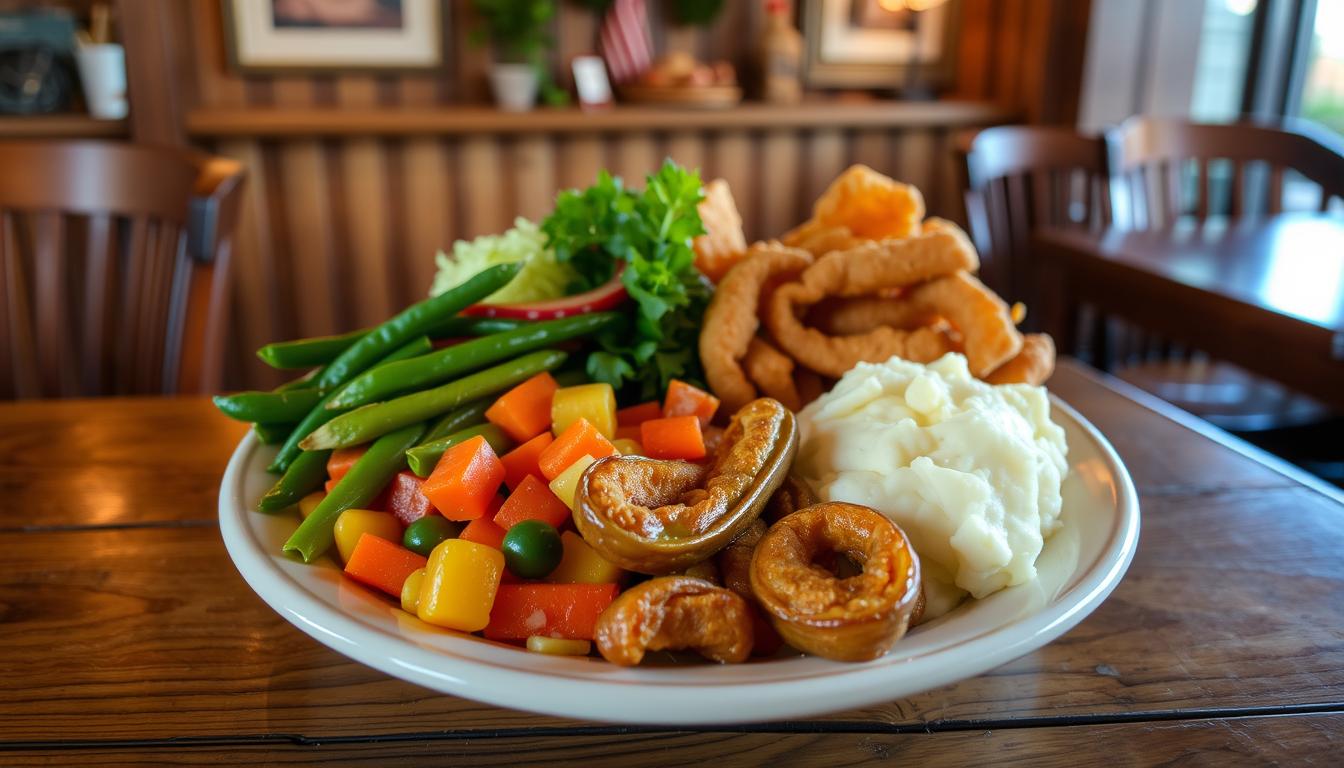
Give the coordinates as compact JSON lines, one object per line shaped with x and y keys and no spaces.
{"x":1266,"y":294}
{"x":126,"y":636}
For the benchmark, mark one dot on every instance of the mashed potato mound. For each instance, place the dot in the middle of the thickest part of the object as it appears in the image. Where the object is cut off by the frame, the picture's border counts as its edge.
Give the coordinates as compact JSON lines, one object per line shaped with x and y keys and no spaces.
{"x":971,"y":472}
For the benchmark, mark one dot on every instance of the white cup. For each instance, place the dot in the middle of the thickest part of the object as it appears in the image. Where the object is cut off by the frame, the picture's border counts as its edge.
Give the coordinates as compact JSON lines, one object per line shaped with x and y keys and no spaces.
{"x":102,"y":70}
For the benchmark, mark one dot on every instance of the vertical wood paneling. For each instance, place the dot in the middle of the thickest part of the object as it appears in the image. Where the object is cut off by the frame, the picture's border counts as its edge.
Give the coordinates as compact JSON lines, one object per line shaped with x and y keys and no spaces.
{"x":731,"y":160}
{"x":915,"y":161}
{"x":827,"y":157}
{"x":688,"y":149}
{"x":484,"y":210}
{"x":781,"y":194}
{"x":533,"y":170}
{"x":873,"y":149}
{"x":429,"y":202}
{"x":635,"y":156}
{"x":366,"y":220}
{"x":583,"y":156}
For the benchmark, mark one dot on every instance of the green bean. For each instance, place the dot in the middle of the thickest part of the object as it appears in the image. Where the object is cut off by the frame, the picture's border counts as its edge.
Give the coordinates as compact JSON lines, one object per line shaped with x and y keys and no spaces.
{"x":457,"y":327}
{"x":469,"y":415}
{"x":413,"y":321}
{"x":444,"y":364}
{"x":425,"y":456}
{"x":303,"y":382}
{"x":370,"y":421}
{"x":319,"y":415}
{"x":270,"y":434}
{"x":308,"y":353}
{"x":281,"y":407}
{"x":365,"y":480}
{"x":305,"y":475}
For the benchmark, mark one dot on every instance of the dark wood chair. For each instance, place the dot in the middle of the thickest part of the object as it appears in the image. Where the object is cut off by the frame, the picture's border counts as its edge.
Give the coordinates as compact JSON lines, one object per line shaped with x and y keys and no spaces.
{"x":113,"y":268}
{"x":1170,"y":171}
{"x":1021,"y":178}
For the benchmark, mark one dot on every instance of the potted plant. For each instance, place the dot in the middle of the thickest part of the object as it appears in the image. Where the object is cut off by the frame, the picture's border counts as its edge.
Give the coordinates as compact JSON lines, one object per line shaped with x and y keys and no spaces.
{"x":519,"y":32}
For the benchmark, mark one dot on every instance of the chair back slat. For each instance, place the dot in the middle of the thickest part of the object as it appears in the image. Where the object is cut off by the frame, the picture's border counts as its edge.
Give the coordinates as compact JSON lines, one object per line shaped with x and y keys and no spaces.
{"x":50,"y":267}
{"x":1184,"y":152}
{"x":99,"y":303}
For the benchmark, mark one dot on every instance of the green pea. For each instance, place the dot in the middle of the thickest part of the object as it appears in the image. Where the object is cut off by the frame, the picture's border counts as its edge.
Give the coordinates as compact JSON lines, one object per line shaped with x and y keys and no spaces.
{"x":532,"y":549}
{"x":424,"y":534}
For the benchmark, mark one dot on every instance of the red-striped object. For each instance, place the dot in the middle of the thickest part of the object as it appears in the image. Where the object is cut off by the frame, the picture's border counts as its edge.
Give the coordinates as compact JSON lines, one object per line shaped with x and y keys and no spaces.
{"x":626,"y":43}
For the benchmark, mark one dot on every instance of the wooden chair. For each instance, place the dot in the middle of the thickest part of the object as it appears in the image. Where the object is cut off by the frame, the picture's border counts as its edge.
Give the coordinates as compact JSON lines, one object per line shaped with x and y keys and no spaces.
{"x":1169,"y":171}
{"x":113,"y":268}
{"x":1020,"y":178}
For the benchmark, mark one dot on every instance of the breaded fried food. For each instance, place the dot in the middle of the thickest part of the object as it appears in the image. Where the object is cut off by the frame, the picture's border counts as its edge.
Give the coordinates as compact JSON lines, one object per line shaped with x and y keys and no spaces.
{"x":809,"y":384}
{"x":861,"y":314}
{"x":940,"y":250}
{"x":1033,"y":365}
{"x":871,"y":205}
{"x":988,"y":336}
{"x":723,"y":243}
{"x":732,"y":318}
{"x":772,"y":373}
{"x":827,"y":239}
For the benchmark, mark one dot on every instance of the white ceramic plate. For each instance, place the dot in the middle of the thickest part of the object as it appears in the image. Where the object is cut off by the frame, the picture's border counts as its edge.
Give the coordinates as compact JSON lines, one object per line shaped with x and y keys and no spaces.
{"x":1079,"y":567}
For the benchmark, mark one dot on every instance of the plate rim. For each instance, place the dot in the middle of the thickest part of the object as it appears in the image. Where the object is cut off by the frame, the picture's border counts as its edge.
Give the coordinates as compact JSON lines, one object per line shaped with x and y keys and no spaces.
{"x":851,"y":686}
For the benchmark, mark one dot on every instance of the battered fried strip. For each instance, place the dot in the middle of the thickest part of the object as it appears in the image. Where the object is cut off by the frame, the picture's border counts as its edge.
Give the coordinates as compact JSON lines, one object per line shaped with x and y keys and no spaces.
{"x":731,"y":321}
{"x":829,"y":239}
{"x":871,"y":205}
{"x":1033,"y":365}
{"x":988,"y":335}
{"x":772,"y":372}
{"x":723,"y":243}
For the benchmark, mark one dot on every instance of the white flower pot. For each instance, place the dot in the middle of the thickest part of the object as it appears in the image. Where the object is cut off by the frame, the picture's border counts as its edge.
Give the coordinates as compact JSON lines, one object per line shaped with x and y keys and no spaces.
{"x":515,"y":86}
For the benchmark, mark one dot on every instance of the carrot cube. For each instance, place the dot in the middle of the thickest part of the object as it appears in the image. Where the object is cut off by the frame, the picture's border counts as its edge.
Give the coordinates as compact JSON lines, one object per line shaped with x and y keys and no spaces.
{"x":525,"y":411}
{"x":578,"y":439}
{"x":550,"y":610}
{"x":678,"y":437}
{"x":483,"y":530}
{"x":465,"y":480}
{"x":638,"y":414}
{"x":342,"y":459}
{"x":381,"y":564}
{"x":685,"y":400}
{"x":522,"y":461}
{"x":532,"y":500}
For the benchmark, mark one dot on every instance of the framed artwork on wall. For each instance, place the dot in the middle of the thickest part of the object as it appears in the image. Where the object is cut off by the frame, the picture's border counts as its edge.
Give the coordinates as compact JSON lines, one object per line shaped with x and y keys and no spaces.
{"x":327,"y":35}
{"x":879,"y":43}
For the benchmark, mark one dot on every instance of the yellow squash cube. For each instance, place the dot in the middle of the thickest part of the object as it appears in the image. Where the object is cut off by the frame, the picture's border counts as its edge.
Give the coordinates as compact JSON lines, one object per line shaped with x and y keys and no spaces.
{"x":458,"y":589}
{"x":627,"y":447}
{"x":308,"y":503}
{"x":354,"y":523}
{"x":594,"y":402}
{"x":581,"y":564}
{"x":558,"y":646}
{"x":566,"y":484}
{"x":410,"y":590}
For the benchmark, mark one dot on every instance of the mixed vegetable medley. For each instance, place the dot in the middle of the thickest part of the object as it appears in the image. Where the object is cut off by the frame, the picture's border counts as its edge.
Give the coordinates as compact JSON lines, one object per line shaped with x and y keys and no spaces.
{"x":439,"y":454}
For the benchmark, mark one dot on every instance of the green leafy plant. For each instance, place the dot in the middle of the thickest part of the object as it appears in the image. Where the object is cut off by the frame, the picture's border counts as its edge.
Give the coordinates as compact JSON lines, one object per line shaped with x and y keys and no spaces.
{"x":520,"y":32}
{"x":607,"y":226}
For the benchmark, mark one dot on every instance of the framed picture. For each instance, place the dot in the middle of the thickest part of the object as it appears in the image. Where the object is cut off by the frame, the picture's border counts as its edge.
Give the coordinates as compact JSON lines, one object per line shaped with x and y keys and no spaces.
{"x":879,"y":43}
{"x":348,"y":35}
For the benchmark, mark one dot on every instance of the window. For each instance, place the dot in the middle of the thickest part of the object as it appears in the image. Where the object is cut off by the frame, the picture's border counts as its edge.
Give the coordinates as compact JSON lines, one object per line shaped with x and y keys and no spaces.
{"x":1323,"y":84}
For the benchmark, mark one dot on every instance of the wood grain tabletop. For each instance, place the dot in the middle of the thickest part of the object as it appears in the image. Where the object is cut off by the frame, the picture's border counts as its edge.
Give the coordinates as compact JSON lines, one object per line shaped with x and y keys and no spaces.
{"x":127,"y":637}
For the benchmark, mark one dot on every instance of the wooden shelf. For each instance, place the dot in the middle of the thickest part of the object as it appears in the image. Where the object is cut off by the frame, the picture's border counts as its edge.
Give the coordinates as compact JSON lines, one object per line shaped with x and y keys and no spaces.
{"x":271,"y":122}
{"x":71,"y":126}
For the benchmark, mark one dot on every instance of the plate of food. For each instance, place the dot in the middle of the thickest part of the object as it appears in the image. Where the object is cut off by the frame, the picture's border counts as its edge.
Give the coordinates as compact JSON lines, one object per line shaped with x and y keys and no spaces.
{"x":623,"y":466}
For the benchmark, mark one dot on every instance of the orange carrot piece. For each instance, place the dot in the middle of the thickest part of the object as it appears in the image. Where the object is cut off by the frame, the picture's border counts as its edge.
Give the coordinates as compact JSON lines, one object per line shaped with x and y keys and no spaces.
{"x":379,"y":563}
{"x":342,"y":459}
{"x":522,"y":461}
{"x":678,"y":437}
{"x":578,"y":439}
{"x":524,"y":411}
{"x":550,"y":610}
{"x":685,"y":400}
{"x":638,"y":414}
{"x":483,"y":530}
{"x":532,"y":500}
{"x":465,"y":480}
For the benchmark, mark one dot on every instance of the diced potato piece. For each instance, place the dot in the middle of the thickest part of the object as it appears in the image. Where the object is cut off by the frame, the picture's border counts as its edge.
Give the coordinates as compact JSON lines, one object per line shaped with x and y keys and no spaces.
{"x":410,"y":590}
{"x":354,"y":523}
{"x":594,"y":402}
{"x":628,"y":447}
{"x":458,"y":589}
{"x":581,"y":564}
{"x":308,"y":503}
{"x":558,"y":646}
{"x":566,"y":484}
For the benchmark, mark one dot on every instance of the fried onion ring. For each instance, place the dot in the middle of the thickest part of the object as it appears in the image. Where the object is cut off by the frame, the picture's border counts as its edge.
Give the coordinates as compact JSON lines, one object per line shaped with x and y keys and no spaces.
{"x":1033,"y":365}
{"x":731,"y":321}
{"x":871,"y":205}
{"x":988,"y":335}
{"x":772,"y":372}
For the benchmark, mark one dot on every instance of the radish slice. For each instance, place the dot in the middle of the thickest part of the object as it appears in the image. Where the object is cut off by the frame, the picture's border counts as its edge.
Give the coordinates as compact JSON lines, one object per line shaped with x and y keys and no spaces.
{"x":606,"y":296}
